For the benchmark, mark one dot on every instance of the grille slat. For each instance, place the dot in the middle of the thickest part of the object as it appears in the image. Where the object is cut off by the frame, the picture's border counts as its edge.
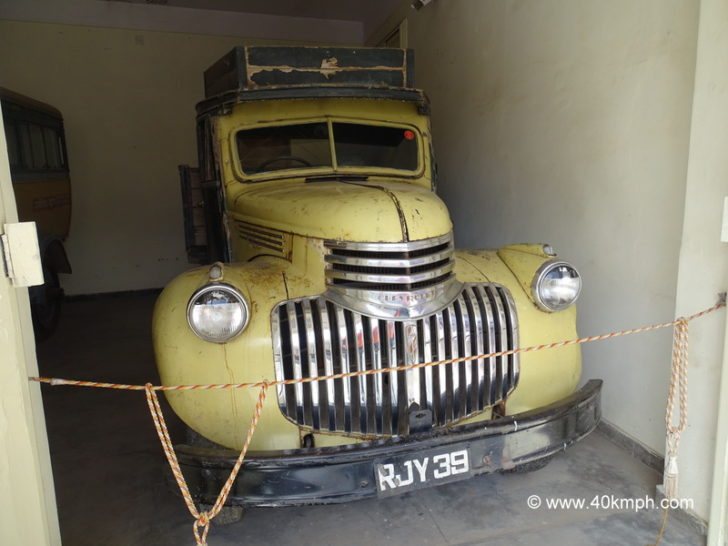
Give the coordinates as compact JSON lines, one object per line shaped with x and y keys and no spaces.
{"x":501,"y":341}
{"x":359,"y":365}
{"x":389,"y":266}
{"x":296,"y":359}
{"x":328,"y":364}
{"x":454,"y":369}
{"x":313,"y":337}
{"x":441,"y":414}
{"x":311,"y":353}
{"x":393,"y":376}
{"x":344,"y":368}
{"x":426,"y":374}
{"x":466,"y":368}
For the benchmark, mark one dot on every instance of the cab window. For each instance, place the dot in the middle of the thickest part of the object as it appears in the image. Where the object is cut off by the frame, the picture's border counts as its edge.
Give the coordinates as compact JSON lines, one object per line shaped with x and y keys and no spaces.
{"x":323,"y":145}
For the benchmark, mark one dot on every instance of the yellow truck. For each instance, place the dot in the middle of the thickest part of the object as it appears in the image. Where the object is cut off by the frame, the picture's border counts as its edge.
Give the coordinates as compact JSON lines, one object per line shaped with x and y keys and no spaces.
{"x":326,"y":251}
{"x":41,"y":182}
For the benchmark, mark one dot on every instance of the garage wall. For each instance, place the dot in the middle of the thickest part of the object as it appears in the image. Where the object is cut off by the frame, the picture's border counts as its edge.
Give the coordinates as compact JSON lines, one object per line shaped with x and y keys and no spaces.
{"x":568,"y":122}
{"x":128,"y":99}
{"x":703,"y":257}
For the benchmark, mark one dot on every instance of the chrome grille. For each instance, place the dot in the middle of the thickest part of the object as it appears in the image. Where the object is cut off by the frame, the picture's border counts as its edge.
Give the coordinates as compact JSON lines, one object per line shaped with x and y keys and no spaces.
{"x":392,"y":280}
{"x":389,"y":266}
{"x":315,"y":337}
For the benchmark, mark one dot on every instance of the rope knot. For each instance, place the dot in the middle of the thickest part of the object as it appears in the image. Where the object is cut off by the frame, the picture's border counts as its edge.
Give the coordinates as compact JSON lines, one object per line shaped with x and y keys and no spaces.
{"x":202,"y":522}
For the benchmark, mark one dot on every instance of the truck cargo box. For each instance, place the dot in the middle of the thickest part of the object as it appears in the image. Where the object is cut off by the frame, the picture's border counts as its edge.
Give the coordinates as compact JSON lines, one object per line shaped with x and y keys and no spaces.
{"x":256,"y":67}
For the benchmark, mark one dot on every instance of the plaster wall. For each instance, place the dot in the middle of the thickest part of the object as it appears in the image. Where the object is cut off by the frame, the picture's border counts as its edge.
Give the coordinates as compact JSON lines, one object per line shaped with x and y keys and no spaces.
{"x":703,"y":268}
{"x":141,"y":15}
{"x":568,"y":122}
{"x":128,"y":99}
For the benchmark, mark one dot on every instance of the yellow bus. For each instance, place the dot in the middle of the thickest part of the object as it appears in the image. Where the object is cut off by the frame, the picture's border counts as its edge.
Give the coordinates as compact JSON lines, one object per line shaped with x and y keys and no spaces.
{"x":40,"y":175}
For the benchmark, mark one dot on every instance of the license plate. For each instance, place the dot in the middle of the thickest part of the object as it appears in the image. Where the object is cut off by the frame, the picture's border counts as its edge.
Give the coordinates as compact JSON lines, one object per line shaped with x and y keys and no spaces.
{"x":404,"y":473}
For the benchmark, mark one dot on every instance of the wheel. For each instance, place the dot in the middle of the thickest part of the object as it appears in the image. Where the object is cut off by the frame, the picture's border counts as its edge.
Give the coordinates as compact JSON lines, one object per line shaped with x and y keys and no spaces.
{"x":46,"y":309}
{"x":268,"y":162}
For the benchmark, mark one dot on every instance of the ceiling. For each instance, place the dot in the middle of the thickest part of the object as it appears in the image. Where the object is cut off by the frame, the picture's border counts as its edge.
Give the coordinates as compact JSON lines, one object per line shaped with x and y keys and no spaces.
{"x":371,"y":13}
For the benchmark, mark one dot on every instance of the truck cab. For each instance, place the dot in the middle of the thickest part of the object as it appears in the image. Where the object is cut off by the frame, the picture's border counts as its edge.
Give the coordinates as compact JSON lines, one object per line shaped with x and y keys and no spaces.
{"x":328,"y":268}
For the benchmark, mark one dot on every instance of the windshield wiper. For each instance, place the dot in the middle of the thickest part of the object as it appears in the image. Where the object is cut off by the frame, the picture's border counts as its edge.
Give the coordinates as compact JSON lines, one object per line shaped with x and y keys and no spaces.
{"x":337,"y":178}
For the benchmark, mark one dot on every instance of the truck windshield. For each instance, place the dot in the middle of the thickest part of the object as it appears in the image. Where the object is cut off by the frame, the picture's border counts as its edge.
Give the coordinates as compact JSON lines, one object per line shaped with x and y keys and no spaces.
{"x":327,"y":144}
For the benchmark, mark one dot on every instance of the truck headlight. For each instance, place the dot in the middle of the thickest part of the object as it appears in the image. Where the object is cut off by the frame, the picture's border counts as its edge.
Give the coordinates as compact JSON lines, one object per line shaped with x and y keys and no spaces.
{"x":556,"y":286}
{"x":217,"y":313}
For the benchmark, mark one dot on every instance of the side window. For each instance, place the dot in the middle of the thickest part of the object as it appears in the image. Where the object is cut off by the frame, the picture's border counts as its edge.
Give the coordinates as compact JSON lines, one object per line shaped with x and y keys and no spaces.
{"x":37,"y":147}
{"x":26,"y":154}
{"x":11,"y":135}
{"x":35,"y":141}
{"x":52,"y":142}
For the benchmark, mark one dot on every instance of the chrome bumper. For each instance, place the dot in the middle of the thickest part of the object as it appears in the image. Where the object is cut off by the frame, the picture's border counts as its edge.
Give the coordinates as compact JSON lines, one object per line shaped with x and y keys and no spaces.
{"x":342,"y":474}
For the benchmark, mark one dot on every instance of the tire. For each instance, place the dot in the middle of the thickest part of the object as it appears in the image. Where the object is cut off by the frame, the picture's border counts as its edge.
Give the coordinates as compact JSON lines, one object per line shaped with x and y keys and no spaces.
{"x":46,"y":313}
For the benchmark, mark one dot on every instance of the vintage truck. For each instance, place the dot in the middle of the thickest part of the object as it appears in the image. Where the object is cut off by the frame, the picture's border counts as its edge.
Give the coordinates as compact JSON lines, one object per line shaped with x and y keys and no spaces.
{"x":327,"y":251}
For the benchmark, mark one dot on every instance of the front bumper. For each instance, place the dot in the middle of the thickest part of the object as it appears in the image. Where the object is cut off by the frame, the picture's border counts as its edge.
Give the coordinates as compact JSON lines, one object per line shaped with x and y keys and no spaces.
{"x":393,"y":466}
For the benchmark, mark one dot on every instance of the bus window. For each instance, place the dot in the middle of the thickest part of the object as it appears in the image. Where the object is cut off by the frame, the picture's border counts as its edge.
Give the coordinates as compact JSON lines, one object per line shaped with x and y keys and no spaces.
{"x":37,"y":147}
{"x":52,"y":143}
{"x":11,"y":135}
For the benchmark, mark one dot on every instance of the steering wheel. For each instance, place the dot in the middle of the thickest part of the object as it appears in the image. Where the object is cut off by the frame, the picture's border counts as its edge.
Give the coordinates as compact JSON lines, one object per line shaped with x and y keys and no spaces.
{"x":272,"y":160}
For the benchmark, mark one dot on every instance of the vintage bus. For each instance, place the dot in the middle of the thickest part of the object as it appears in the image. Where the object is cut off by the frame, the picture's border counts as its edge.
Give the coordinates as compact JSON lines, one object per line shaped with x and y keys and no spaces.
{"x":40,"y":175}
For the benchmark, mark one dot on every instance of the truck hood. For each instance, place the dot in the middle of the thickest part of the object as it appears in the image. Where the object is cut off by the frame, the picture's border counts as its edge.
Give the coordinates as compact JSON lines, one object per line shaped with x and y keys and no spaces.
{"x":351,"y":211}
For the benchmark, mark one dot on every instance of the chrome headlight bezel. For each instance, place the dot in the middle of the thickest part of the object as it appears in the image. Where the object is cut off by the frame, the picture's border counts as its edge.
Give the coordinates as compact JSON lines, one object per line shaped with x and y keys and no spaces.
{"x":235,"y":297}
{"x":538,"y":283}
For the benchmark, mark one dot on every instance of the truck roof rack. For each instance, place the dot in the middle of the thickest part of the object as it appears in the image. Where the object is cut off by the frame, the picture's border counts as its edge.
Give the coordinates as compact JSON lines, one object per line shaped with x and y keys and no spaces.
{"x":285,"y":72}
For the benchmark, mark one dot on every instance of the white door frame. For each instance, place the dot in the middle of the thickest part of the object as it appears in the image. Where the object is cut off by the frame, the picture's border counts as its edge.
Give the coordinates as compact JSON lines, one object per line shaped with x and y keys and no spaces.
{"x":28,"y":512}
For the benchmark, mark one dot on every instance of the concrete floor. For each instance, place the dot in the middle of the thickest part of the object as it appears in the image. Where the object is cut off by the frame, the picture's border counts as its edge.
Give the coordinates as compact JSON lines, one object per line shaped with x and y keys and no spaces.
{"x":111,"y":487}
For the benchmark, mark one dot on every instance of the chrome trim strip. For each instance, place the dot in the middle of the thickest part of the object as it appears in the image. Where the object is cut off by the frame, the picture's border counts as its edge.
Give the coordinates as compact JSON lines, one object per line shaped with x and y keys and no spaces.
{"x":387,"y":262}
{"x":374,"y":278}
{"x":412,"y":304}
{"x":408,"y":246}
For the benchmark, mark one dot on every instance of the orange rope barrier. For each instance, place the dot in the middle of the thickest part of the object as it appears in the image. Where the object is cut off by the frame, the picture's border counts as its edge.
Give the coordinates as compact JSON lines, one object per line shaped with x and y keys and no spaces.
{"x":201,"y":526}
{"x":220,"y":386}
